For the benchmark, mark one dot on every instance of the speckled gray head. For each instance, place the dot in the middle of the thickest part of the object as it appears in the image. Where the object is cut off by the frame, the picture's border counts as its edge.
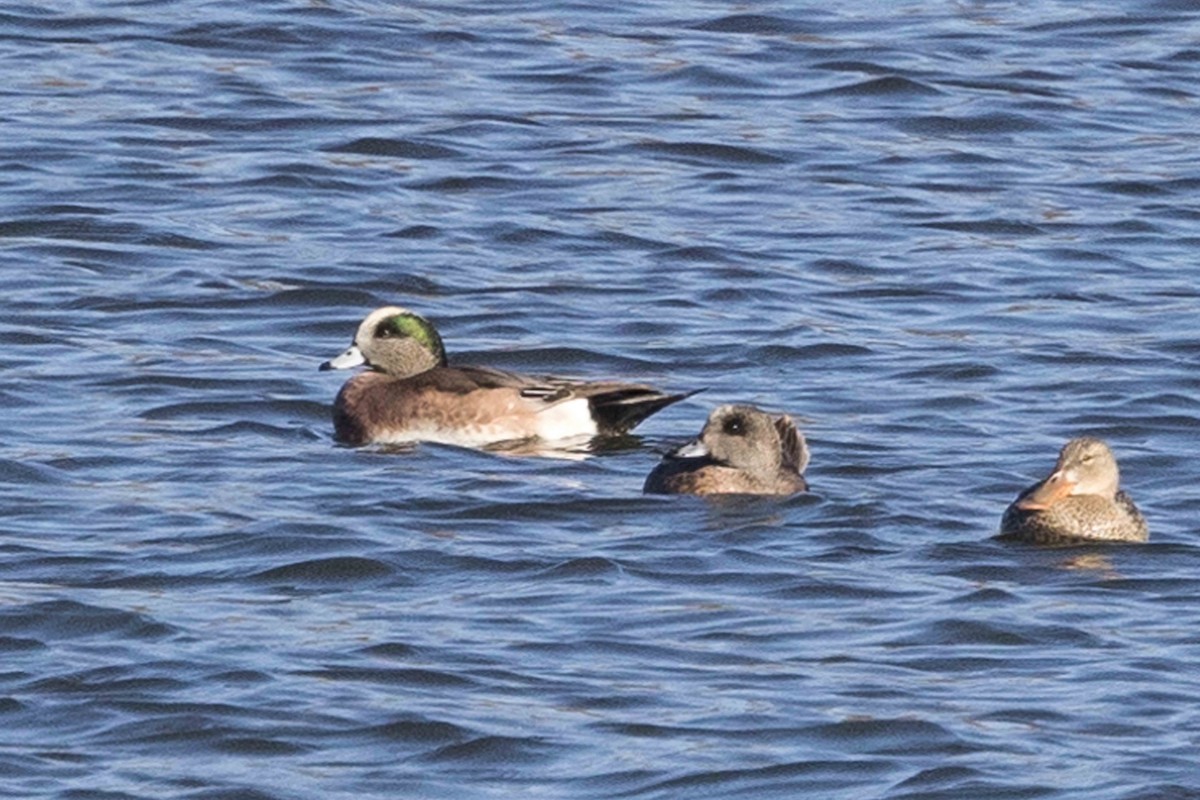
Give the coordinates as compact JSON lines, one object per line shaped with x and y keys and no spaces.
{"x":740,"y":450}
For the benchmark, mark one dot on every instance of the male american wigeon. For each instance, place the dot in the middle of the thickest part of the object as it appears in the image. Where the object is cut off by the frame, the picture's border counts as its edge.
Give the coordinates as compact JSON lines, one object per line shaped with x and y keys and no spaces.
{"x":409,"y":394}
{"x":742,"y":450}
{"x":1079,"y":501}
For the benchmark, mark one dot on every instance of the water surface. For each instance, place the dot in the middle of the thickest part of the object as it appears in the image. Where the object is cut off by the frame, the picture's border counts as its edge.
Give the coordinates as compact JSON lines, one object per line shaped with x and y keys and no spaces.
{"x":946,"y":237}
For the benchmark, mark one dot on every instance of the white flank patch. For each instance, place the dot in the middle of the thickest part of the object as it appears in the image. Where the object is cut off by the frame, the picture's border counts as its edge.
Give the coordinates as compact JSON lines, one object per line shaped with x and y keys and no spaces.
{"x":564,"y":420}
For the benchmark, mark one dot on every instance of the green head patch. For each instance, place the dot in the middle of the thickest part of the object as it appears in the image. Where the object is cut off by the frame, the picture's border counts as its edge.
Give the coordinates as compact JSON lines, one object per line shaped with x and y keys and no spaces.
{"x":417,"y":328}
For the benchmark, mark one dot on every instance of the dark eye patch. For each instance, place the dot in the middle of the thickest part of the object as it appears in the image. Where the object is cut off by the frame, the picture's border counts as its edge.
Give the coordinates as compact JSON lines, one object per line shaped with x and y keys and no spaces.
{"x":734,"y":426}
{"x":389,"y":329}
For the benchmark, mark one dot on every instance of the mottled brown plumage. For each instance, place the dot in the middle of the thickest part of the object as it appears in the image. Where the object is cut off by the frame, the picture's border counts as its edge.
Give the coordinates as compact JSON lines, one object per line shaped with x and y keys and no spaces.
{"x":1079,"y":501}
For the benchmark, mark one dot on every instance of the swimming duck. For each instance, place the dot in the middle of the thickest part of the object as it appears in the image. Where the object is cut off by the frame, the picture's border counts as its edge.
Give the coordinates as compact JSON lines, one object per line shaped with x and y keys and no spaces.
{"x":1079,"y":501}
{"x":409,"y":393}
{"x":741,"y":450}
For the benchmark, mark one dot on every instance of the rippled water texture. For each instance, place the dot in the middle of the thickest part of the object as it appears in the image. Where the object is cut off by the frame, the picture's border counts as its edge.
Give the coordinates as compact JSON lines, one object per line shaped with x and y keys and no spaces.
{"x":944,"y":236}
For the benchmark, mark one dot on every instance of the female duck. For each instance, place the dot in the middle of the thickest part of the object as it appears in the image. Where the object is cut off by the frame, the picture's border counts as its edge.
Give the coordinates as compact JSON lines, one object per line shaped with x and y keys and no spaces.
{"x":409,"y":393}
{"x":1079,"y":501}
{"x":742,"y":450}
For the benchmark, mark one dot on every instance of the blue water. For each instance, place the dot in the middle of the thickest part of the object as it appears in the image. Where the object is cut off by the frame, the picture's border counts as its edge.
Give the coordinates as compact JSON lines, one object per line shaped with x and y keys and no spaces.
{"x":945,"y":237}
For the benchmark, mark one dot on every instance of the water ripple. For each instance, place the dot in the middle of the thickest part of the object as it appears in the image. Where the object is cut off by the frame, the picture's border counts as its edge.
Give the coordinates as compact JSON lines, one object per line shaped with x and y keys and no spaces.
{"x":943,"y":239}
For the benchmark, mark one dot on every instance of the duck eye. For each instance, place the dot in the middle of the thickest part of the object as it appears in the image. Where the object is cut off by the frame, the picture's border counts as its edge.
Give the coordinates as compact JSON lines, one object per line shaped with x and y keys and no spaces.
{"x":734,"y":426}
{"x":387,"y":330}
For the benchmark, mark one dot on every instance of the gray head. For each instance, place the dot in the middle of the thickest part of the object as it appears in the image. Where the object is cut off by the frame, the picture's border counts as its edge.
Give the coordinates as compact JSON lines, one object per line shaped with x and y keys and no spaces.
{"x":1085,"y":467}
{"x":394,"y":341}
{"x":749,"y":439}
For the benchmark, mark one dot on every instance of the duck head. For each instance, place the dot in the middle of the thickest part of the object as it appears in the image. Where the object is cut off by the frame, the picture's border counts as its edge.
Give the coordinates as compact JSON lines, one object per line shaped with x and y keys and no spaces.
{"x":394,"y":341}
{"x":746,"y":438}
{"x":1085,"y":467}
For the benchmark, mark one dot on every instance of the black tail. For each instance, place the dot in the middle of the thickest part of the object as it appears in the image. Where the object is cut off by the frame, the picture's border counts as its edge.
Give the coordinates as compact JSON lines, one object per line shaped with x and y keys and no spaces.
{"x":620,"y":410}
